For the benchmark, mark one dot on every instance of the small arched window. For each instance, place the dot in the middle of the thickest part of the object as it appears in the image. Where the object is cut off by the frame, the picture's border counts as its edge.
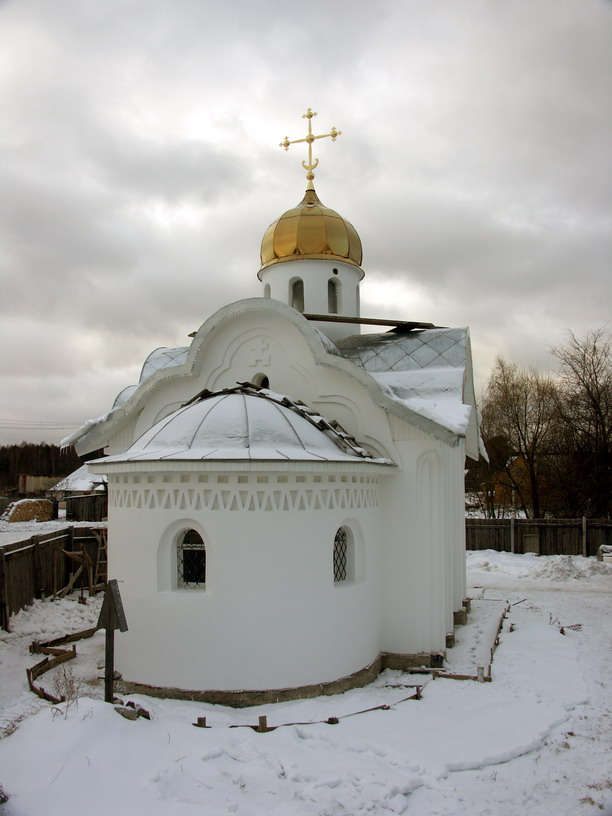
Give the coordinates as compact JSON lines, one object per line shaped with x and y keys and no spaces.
{"x":261,"y":381}
{"x":297,"y":294}
{"x":191,"y":560}
{"x":332,"y":296}
{"x":341,"y":555}
{"x":267,"y":291}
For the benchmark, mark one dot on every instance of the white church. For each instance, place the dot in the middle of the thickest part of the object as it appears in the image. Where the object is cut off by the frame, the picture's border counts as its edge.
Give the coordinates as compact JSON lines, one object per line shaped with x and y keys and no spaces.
{"x":286,"y":499}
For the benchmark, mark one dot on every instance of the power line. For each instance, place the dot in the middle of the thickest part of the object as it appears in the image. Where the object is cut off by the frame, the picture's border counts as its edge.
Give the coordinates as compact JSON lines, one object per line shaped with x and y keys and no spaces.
{"x":33,"y":424}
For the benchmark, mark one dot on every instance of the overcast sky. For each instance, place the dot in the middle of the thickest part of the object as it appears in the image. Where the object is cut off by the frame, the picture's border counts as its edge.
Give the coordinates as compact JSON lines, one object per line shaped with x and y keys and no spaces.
{"x":140,"y":167}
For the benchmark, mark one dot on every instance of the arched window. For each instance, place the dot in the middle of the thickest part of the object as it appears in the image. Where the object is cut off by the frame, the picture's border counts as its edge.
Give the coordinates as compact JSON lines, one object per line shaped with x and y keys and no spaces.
{"x":267,"y":291}
{"x":261,"y":381}
{"x":191,"y":560}
{"x":332,"y":296}
{"x":297,"y":294}
{"x":341,"y":555}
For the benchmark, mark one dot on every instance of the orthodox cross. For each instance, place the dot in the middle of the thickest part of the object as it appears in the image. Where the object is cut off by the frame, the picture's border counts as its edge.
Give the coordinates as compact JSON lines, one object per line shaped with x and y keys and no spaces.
{"x":259,"y":353}
{"x":309,"y":139}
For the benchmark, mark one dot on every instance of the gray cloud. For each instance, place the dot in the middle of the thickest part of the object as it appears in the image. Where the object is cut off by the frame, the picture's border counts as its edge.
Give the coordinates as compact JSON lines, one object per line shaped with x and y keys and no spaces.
{"x":139,"y":169}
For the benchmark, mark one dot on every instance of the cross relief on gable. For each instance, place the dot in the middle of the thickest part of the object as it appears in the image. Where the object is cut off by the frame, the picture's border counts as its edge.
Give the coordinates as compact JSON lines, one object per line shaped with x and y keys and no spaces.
{"x":259,"y":353}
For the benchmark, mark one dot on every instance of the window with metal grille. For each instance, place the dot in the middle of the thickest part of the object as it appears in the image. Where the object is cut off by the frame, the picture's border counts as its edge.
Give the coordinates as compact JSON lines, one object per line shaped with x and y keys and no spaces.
{"x":340,"y":555}
{"x":191,"y":561}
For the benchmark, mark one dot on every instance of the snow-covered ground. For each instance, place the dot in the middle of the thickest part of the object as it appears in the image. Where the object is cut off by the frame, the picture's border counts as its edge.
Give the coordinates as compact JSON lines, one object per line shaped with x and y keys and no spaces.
{"x":536,"y":740}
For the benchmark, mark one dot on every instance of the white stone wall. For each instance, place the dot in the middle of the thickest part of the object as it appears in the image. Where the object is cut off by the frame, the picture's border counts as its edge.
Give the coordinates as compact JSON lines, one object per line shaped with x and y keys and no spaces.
{"x":270,"y":615}
{"x":423,"y":546}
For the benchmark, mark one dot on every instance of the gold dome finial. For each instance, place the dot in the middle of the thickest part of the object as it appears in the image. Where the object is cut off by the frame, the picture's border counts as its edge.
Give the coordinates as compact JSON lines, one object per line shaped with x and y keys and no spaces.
{"x":309,"y":139}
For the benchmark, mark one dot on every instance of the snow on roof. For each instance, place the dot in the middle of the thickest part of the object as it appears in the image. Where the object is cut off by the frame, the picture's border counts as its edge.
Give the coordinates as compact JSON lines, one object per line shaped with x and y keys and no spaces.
{"x":433,"y":393}
{"x":244,"y":423}
{"x":422,"y":370}
{"x":80,"y":481}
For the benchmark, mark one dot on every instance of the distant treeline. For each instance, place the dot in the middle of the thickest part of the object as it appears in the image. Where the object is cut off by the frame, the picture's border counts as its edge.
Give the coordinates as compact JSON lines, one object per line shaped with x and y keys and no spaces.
{"x":35,"y":459}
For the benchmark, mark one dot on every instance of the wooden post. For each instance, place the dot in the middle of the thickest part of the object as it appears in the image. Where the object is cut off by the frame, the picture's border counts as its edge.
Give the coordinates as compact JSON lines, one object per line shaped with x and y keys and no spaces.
{"x":55,"y":557}
{"x":512,"y":533}
{"x":585,"y":547}
{"x":36,"y":566}
{"x":4,"y":608}
{"x":263,"y":724}
{"x":109,"y":664}
{"x":111,"y":617}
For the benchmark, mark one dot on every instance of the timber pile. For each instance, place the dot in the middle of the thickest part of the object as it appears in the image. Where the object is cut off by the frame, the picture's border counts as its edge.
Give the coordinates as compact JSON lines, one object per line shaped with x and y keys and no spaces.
{"x":29,"y":510}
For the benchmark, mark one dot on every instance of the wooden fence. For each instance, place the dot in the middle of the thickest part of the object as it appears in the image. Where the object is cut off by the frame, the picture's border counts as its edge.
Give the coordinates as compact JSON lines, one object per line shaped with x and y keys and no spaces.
{"x":89,"y":507}
{"x":541,"y":536}
{"x":49,"y":565}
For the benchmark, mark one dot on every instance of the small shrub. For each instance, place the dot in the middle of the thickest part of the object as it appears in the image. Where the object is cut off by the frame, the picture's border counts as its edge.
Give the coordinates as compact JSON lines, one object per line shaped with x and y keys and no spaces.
{"x":68,"y":688}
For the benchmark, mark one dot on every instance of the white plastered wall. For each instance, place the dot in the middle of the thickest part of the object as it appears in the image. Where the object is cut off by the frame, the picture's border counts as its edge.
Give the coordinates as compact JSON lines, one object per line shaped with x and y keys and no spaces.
{"x":315,"y":274}
{"x":422,"y":518}
{"x":271,"y":615}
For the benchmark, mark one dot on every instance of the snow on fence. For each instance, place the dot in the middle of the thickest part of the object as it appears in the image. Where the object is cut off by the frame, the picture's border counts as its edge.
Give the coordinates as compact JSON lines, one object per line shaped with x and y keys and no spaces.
{"x":50,"y":565}
{"x":540,"y":536}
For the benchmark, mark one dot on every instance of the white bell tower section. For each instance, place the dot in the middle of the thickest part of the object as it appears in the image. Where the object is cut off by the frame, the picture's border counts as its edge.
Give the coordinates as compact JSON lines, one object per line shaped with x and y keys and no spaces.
{"x":311,"y":256}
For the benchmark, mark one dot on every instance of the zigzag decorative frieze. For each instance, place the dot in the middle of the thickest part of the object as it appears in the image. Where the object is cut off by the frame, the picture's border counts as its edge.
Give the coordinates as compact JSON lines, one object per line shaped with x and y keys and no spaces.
{"x":232,"y":495}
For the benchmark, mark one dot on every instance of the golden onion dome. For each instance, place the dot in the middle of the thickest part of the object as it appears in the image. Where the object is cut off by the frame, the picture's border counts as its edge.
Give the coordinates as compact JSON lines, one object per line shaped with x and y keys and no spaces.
{"x":310,"y":230}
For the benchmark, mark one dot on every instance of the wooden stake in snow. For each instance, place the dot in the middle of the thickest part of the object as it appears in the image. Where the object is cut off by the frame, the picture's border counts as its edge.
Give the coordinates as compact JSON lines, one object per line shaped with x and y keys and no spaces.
{"x":111,"y":617}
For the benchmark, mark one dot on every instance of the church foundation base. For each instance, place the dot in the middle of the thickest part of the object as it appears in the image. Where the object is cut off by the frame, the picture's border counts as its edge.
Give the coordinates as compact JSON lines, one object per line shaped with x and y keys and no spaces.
{"x":244,"y":698}
{"x":405,"y":662}
{"x":460,"y":617}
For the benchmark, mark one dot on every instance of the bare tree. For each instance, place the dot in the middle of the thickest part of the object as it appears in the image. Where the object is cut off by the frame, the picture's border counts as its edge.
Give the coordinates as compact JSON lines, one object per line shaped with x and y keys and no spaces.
{"x":518,"y":419}
{"x":585,"y":420}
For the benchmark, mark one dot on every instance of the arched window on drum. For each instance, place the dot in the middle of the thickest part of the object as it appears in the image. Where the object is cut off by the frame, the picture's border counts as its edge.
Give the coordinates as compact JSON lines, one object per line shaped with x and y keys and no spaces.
{"x":344,"y":556}
{"x":191,"y":561}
